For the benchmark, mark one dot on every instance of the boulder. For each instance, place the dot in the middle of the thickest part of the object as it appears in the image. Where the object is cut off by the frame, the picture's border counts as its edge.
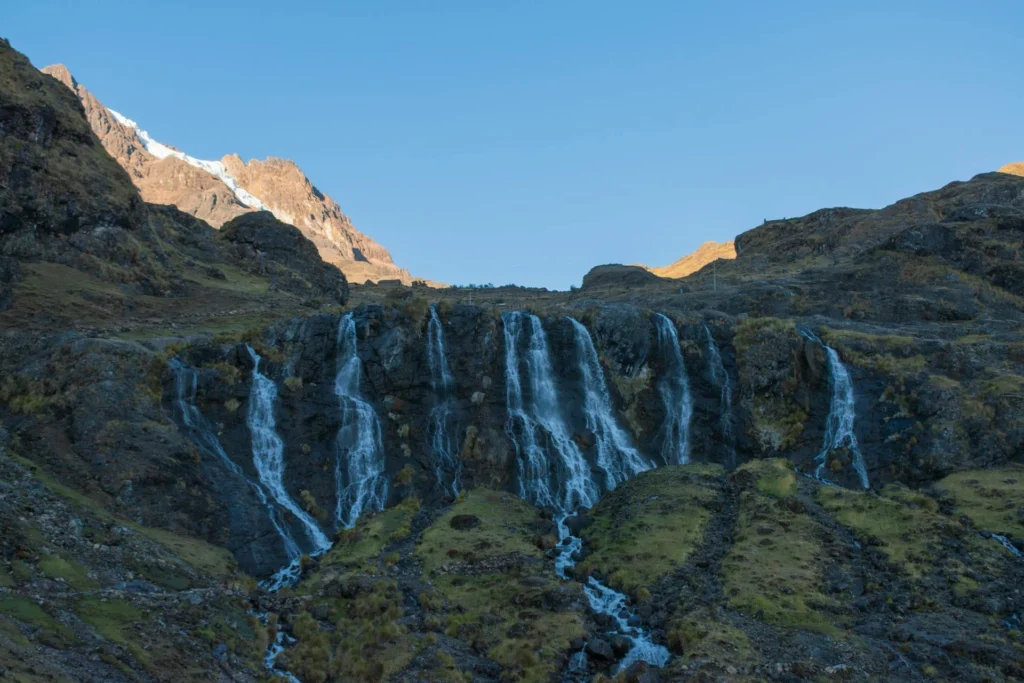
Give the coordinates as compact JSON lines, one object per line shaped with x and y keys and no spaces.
{"x":600,"y":649}
{"x":464,"y":522}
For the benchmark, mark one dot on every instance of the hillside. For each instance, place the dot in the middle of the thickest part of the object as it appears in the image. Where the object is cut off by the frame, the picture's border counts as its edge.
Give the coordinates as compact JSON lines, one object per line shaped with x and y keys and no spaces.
{"x":221,"y":461}
{"x":691,"y":263}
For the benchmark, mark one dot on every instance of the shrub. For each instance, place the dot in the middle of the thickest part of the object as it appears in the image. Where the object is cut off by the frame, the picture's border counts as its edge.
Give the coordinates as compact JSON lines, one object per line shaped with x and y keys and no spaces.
{"x":405,"y":476}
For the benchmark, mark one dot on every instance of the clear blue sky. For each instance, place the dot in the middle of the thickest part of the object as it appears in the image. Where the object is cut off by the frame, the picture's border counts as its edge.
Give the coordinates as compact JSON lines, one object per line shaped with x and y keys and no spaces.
{"x":528,"y":141}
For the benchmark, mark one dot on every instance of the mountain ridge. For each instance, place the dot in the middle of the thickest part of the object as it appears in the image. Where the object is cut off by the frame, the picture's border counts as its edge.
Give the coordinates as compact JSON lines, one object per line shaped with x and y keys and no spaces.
{"x":218,"y":191}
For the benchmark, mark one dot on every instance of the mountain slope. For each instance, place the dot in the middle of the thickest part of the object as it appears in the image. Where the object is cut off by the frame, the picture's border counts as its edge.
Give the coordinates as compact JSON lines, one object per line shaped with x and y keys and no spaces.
{"x":691,"y":263}
{"x":217,"y":191}
{"x":1016,"y":168}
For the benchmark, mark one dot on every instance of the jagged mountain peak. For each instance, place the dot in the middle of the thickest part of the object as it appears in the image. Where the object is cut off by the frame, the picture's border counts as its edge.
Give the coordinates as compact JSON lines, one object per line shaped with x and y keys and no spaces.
{"x":217,"y":191}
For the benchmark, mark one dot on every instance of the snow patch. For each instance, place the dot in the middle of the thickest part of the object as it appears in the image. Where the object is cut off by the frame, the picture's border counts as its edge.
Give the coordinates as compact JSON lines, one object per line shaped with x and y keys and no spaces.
{"x":215,"y":168}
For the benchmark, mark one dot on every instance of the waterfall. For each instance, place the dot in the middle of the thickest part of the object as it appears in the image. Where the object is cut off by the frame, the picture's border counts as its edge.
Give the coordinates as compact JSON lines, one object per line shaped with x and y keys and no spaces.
{"x":615,"y":453}
{"x":552,"y":470}
{"x":442,"y":444}
{"x":675,"y":395}
{"x":268,"y":458}
{"x":201,"y":432}
{"x":721,"y":379}
{"x":841,"y":414}
{"x":545,"y":448}
{"x":359,"y":480}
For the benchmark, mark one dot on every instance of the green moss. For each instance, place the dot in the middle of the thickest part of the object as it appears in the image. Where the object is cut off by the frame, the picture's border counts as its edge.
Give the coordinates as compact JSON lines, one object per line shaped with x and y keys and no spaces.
{"x":360,"y":547}
{"x":500,"y":603}
{"x":775,"y":476}
{"x":504,"y":529}
{"x":227,"y":373}
{"x":906,"y":531}
{"x":774,"y":569}
{"x":117,"y":621}
{"x":753,"y":330}
{"x":992,"y":498}
{"x":705,"y":636}
{"x":72,"y":573}
{"x":27,"y":612}
{"x":649,"y":525}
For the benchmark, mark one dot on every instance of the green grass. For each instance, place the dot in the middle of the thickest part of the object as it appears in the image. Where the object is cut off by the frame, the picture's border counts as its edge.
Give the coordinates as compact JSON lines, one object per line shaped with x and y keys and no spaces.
{"x":359,"y":548}
{"x":775,"y":476}
{"x":503,"y":611}
{"x":774,"y":569}
{"x":705,"y":636}
{"x":750,"y":331}
{"x":504,"y":530}
{"x":72,"y":573}
{"x":907,"y":528}
{"x":649,"y":526}
{"x":991,"y":498}
{"x":117,"y":621}
{"x":206,"y":557}
{"x":26,"y":611}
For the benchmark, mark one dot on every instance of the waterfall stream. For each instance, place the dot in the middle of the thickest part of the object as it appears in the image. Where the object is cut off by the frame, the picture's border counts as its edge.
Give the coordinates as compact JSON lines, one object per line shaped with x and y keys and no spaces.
{"x":552,"y":470}
{"x":443,"y":447}
{"x":674,"y":388}
{"x":721,"y":379}
{"x":541,"y":437}
{"x":615,"y":452}
{"x":268,"y":459}
{"x":359,"y":480}
{"x":201,"y":432}
{"x":841,"y":414}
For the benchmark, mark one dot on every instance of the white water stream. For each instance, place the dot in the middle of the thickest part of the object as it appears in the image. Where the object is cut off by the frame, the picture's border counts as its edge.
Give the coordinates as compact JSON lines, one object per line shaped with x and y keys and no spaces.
{"x":841,"y":415}
{"x":674,"y":388}
{"x":573,"y":486}
{"x":268,"y":459}
{"x":360,"y":485}
{"x":443,"y":447}
{"x":201,"y":432}
{"x":720,"y":377}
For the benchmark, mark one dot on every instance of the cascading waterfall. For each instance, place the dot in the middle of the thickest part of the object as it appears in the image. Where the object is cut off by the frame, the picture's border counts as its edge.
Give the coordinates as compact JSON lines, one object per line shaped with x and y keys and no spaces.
{"x":268,"y":451}
{"x":841,"y":414}
{"x":615,"y":452}
{"x":201,"y":432}
{"x":674,"y":388}
{"x":543,"y":445}
{"x":721,"y":379}
{"x":360,"y":485}
{"x":552,"y":470}
{"x":442,"y":443}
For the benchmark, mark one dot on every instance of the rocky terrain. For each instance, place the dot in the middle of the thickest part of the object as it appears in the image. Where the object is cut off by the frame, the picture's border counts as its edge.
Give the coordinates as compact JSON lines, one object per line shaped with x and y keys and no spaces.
{"x":217,"y":191}
{"x":219,"y":455}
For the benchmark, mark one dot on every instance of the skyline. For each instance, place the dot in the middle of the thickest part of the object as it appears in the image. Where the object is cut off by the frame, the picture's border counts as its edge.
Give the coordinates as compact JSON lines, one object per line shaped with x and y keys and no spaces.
{"x":590,"y":138}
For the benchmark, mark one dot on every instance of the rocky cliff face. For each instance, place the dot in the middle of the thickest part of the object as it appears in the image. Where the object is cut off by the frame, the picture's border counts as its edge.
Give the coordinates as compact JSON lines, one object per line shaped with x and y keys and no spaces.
{"x":216,"y":192}
{"x":186,"y":410}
